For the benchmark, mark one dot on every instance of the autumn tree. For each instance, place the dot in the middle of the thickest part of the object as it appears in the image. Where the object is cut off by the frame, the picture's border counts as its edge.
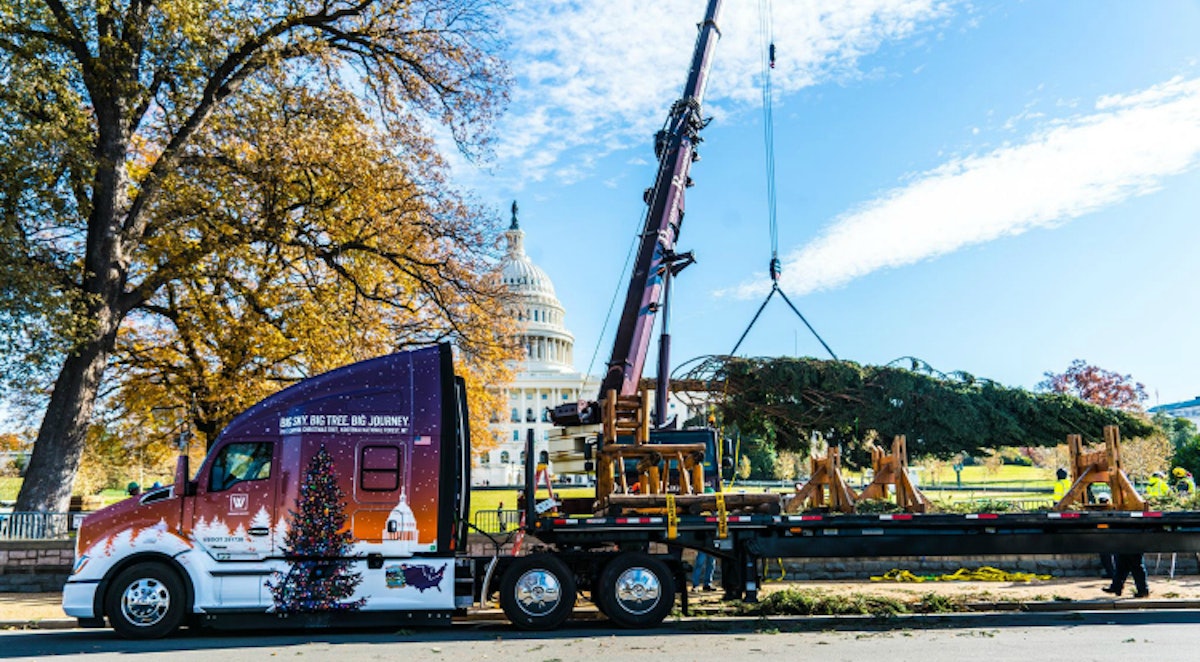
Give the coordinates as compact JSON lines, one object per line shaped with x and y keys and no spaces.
{"x":412,"y":266}
{"x":107,"y":118}
{"x":1097,"y":386}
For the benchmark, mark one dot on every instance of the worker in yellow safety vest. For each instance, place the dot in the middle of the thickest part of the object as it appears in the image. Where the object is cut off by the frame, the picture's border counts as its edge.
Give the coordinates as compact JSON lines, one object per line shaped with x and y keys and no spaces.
{"x":1062,"y":485}
{"x":1158,"y":486}
{"x":1184,"y":483}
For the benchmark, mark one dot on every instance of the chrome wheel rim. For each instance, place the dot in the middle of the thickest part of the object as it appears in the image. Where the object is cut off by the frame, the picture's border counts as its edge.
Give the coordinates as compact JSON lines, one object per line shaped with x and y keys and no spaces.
{"x":145,"y":602}
{"x":538,"y":592}
{"x":638,"y":590}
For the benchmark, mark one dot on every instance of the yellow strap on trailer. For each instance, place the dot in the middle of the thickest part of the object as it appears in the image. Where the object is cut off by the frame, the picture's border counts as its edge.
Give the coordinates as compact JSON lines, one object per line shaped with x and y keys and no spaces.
{"x":722,"y":517}
{"x":672,"y":518}
{"x":984,"y":574}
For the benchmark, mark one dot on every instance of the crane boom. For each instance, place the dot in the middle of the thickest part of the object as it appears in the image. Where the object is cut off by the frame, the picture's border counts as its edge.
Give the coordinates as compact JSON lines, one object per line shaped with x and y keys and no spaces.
{"x":675,"y":146}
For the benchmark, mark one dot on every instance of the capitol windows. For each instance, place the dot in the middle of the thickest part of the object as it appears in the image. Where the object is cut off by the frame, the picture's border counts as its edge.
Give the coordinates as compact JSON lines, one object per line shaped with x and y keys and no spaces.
{"x":485,"y":458}
{"x":504,"y":457}
{"x":516,"y":415}
{"x":546,"y":415}
{"x":529,"y":417}
{"x":516,"y":435}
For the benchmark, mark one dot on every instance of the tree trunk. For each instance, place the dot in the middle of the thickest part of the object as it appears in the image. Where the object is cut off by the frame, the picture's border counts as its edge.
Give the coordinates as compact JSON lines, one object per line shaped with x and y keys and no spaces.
{"x":55,"y":459}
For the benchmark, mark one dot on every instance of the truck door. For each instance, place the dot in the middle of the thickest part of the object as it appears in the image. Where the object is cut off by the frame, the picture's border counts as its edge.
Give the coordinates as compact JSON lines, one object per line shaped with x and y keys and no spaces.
{"x":235,"y":515}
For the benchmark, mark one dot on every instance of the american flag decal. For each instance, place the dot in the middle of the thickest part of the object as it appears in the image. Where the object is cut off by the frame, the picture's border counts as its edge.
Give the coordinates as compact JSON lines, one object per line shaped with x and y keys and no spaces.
{"x":422,"y":440}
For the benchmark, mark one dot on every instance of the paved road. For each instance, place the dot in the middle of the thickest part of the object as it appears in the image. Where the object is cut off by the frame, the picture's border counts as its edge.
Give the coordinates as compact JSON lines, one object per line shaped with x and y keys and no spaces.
{"x":1162,"y":635}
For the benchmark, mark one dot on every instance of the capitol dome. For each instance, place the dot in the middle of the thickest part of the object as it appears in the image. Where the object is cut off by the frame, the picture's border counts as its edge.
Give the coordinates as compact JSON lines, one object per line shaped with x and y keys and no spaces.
{"x":548,"y":344}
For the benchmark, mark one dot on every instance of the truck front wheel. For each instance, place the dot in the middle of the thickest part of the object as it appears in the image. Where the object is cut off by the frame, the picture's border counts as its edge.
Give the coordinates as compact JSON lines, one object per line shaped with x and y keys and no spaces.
{"x":635,"y":590}
{"x":145,"y":601}
{"x":537,"y":592}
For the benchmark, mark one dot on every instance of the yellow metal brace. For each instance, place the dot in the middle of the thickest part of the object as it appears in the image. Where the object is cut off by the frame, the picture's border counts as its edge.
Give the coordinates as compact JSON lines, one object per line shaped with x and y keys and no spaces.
{"x":672,"y":518}
{"x":722,"y":517}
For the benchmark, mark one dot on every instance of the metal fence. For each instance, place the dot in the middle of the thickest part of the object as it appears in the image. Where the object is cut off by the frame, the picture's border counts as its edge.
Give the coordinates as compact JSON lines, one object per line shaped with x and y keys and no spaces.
{"x":1017,"y":505}
{"x":497,"y":521}
{"x":35,"y":526}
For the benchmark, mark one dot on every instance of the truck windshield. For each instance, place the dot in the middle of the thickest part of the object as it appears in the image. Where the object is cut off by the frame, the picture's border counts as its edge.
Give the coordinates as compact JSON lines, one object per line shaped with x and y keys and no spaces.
{"x":239,"y":462}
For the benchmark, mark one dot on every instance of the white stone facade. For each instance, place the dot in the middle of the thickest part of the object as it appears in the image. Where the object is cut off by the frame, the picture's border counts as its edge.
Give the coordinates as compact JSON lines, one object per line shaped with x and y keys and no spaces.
{"x":545,"y":379}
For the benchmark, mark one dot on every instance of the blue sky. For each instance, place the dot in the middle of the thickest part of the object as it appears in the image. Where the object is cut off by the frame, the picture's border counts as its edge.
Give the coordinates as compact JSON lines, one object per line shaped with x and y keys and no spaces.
{"x":998,"y":188}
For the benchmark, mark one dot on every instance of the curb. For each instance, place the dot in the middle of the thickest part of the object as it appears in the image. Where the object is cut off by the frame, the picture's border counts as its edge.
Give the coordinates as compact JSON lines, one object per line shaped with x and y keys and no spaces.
{"x":496,"y":615}
{"x":41,"y":624}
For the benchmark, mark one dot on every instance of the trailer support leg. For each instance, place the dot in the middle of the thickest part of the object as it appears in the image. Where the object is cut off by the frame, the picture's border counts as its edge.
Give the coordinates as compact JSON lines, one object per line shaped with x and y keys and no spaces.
{"x":750,"y":572}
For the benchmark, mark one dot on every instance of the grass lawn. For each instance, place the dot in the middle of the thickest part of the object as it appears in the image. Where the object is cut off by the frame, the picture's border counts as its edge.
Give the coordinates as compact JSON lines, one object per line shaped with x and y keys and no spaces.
{"x":9,"y":486}
{"x":489,"y":499}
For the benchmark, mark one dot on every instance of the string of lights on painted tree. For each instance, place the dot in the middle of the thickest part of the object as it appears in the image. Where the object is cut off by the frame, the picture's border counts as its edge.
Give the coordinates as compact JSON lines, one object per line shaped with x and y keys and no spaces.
{"x":316,"y":545}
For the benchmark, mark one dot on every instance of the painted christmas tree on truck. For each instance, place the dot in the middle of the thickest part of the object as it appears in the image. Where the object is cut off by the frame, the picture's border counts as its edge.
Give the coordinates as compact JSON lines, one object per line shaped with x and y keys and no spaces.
{"x":316,"y":545}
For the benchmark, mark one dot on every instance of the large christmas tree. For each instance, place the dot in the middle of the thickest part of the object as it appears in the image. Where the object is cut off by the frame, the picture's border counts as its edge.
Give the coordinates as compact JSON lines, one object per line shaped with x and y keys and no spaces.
{"x":316,"y":546}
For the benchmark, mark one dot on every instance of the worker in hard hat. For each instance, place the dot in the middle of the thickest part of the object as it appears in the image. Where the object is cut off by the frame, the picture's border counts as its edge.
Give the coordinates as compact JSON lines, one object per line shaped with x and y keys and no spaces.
{"x":1184,"y":483}
{"x":1062,"y":485}
{"x":1158,"y":487}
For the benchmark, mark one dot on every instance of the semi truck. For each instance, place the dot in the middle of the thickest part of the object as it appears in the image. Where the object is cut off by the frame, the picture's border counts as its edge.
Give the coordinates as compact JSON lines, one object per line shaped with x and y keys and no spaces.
{"x":344,"y":499}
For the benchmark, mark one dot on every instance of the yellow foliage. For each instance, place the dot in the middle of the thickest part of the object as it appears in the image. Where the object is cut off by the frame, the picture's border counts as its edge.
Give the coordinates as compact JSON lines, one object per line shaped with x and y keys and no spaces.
{"x":374,"y":254}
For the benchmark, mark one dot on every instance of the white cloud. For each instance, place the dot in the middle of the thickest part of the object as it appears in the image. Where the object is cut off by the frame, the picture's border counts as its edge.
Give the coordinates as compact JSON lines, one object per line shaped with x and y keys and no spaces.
{"x":1124,"y":148}
{"x":599,"y":76}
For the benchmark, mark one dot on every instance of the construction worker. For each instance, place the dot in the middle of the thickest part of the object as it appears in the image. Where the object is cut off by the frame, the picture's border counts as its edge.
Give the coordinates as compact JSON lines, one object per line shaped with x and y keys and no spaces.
{"x":1184,"y":483}
{"x":1062,"y":485}
{"x":1158,"y":487}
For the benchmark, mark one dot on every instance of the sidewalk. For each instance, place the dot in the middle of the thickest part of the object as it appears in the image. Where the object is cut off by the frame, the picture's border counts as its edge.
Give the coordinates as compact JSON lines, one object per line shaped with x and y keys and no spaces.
{"x":44,"y":610}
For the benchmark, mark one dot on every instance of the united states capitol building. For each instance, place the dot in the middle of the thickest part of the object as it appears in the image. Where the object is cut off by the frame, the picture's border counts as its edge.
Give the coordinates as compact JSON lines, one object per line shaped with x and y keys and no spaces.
{"x":544,"y":380}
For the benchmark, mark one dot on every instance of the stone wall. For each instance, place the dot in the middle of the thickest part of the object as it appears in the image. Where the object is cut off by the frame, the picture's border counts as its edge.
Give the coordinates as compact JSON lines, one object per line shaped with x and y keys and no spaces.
{"x":35,"y":566}
{"x":1075,"y":565}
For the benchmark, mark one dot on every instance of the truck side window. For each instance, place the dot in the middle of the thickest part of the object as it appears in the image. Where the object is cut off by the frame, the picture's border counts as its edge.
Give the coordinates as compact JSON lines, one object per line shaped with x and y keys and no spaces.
{"x":240,"y":462}
{"x":380,"y":468}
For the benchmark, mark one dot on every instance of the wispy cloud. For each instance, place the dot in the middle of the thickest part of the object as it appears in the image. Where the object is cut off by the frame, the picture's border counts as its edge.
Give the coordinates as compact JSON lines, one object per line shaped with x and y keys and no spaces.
{"x":593,"y":77}
{"x":1124,"y":148}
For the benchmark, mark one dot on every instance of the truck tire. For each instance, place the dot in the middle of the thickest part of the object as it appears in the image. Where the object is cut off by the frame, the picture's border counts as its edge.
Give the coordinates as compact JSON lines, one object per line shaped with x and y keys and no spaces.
{"x":145,"y":601}
{"x":537,"y":592}
{"x":635,"y":590}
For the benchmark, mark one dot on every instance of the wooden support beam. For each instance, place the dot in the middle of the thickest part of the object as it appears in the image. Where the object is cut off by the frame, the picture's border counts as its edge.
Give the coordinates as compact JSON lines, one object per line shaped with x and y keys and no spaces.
{"x":826,"y":474}
{"x":891,"y":470}
{"x":1099,"y":466}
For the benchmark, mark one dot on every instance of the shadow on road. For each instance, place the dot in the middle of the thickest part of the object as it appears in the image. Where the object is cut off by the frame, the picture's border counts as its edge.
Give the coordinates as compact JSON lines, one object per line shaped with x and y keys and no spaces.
{"x":85,"y":642}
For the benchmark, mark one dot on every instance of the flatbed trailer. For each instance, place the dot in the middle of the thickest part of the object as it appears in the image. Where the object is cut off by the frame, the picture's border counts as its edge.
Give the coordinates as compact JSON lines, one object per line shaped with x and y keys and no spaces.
{"x":608,"y":556}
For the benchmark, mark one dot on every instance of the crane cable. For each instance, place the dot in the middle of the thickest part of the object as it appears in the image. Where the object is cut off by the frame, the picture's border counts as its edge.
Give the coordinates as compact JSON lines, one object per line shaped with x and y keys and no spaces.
{"x":766,"y":35}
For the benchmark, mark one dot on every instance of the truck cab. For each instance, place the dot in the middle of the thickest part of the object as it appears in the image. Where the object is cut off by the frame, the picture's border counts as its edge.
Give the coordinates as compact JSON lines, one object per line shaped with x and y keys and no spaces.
{"x":343,"y":496}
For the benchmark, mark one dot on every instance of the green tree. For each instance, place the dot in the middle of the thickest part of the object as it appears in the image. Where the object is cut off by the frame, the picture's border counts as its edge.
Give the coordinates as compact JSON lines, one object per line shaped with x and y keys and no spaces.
{"x":784,"y":400}
{"x":106,"y":116}
{"x":1180,"y":431}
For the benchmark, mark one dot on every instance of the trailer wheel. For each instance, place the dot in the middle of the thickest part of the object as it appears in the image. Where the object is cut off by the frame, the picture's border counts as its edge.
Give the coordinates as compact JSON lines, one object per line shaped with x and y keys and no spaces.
{"x":537,"y":592}
{"x":635,"y":590}
{"x":145,"y":601}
